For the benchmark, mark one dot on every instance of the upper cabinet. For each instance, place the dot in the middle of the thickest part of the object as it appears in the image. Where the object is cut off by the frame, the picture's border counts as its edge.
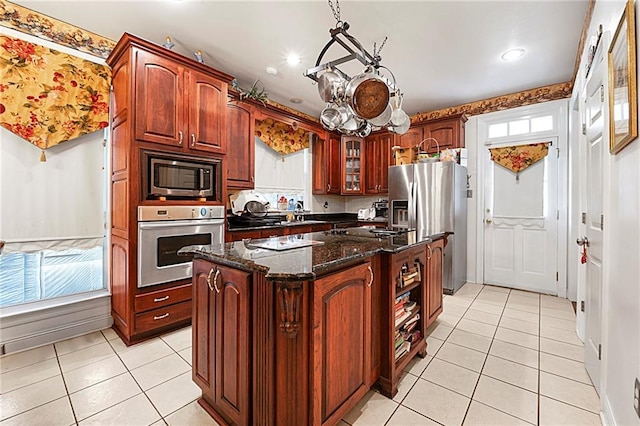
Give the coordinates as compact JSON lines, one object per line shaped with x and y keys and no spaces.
{"x":176,"y":101}
{"x":378,"y":158}
{"x":325,"y":160}
{"x":449,"y":132}
{"x":352,"y":165}
{"x":241,"y":145}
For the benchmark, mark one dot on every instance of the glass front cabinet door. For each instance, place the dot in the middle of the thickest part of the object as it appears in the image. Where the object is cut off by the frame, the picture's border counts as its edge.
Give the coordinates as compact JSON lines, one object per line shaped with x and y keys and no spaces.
{"x":352,"y":167}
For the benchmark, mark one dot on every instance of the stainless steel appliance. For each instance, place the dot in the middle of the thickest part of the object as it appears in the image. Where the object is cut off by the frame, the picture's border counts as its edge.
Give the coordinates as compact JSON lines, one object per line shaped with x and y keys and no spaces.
{"x":179,"y":176}
{"x":430,"y":198}
{"x":382,"y":208}
{"x":162,"y":231}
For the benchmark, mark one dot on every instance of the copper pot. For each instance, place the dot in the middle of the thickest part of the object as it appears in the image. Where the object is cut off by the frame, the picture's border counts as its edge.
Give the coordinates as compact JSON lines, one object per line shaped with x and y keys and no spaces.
{"x":367,"y":94}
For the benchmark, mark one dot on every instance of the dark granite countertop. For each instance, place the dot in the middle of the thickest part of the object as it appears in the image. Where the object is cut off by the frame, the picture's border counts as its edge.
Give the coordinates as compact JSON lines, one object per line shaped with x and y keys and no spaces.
{"x":306,"y":263}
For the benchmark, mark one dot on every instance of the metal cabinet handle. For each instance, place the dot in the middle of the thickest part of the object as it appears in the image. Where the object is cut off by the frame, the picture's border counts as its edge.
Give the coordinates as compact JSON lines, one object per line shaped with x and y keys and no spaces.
{"x":252,"y":179}
{"x":328,"y":187}
{"x":209,"y":278}
{"x":159,"y":317}
{"x":371,"y":272}
{"x":430,"y":252}
{"x":215,"y":280}
{"x":161,"y":299}
{"x":193,"y":139}
{"x":181,"y":137}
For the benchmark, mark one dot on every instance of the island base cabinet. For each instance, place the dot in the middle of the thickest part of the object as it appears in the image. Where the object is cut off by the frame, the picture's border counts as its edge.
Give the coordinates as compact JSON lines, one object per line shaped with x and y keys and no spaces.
{"x":221,"y":340}
{"x":341,"y":342}
{"x":435,"y":259}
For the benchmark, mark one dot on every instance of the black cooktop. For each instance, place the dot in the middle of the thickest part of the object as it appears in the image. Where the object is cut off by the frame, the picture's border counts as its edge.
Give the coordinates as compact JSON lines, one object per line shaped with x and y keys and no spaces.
{"x":245,"y":221}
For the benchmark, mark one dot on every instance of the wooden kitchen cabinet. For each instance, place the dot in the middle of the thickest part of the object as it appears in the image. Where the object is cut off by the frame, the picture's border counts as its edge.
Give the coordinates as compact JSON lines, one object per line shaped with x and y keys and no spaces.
{"x":411,"y":138}
{"x":406,"y":285}
{"x":166,"y":102}
{"x":177,"y":103}
{"x":241,"y":145}
{"x":449,"y":132}
{"x":221,"y":324}
{"x":435,"y":261}
{"x":341,"y":339}
{"x":378,"y":158}
{"x":352,"y":154}
{"x":325,"y":162}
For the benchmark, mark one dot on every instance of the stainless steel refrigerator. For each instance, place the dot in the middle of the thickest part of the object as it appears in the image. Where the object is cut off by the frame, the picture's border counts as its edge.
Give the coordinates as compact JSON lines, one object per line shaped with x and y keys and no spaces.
{"x":431,"y":198}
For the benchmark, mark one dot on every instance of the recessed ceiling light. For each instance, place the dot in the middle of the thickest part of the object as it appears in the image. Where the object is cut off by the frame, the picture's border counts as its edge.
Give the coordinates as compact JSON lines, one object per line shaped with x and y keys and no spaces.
{"x":296,"y":100}
{"x":512,"y":55}
{"x":272,"y":70}
{"x":293,"y":59}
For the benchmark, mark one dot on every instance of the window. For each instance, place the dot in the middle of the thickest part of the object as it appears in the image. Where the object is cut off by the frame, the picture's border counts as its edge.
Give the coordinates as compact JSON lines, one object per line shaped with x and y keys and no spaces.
{"x":521,"y":126}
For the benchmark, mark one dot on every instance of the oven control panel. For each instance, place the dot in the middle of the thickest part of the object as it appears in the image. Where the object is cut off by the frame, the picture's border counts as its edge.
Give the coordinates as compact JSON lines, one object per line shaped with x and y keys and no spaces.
{"x":153,"y":213}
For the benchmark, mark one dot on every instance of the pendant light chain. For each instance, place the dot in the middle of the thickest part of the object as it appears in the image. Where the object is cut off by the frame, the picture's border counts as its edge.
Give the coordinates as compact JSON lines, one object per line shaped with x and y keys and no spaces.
{"x":336,"y":12}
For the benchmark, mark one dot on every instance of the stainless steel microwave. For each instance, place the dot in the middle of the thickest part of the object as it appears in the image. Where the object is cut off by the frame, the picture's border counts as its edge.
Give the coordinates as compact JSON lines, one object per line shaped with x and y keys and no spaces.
{"x":176,"y":176}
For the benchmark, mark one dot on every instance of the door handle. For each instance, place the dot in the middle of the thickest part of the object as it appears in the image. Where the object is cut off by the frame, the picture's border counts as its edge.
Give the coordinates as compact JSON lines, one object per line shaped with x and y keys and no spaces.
{"x":488,"y":221}
{"x":584,"y":241}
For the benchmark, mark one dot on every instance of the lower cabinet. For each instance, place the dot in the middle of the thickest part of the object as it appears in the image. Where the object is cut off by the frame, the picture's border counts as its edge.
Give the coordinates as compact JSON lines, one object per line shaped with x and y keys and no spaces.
{"x":404,"y":308}
{"x":435,"y":254}
{"x":341,"y":342}
{"x":221,"y":347}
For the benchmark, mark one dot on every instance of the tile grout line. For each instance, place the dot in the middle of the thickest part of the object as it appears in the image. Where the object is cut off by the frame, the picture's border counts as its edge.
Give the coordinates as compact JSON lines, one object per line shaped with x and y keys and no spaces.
{"x":485,"y":360}
{"x":64,"y":382}
{"x":432,"y":357}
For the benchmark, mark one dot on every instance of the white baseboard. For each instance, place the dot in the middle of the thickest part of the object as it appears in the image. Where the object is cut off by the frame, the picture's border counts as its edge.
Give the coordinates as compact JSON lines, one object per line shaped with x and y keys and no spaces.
{"x":49,"y":325}
{"x":606,"y":415}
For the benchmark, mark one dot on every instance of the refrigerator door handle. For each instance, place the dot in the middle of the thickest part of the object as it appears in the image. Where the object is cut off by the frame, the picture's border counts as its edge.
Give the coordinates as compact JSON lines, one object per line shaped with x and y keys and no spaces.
{"x":411,"y":206}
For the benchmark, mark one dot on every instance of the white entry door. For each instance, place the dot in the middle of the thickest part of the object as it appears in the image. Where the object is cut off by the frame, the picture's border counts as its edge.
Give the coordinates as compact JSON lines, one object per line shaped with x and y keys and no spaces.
{"x":521,"y":223}
{"x":593,"y":219}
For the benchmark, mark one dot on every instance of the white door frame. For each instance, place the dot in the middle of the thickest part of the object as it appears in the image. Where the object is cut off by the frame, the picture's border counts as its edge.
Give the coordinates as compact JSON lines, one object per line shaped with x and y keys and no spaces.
{"x":559,"y":110}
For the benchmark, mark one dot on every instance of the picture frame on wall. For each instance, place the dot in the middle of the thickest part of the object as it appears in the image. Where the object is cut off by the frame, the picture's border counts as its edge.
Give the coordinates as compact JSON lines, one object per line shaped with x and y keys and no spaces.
{"x":623,"y":101}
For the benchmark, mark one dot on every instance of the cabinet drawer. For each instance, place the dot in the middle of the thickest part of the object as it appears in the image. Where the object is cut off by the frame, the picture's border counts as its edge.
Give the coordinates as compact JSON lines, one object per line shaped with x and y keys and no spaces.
{"x":162,"y":317}
{"x":160,"y":298}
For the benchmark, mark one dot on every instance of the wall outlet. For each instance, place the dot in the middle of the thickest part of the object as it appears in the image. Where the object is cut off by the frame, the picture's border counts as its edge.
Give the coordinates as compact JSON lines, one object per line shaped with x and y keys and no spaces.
{"x":636,"y":397}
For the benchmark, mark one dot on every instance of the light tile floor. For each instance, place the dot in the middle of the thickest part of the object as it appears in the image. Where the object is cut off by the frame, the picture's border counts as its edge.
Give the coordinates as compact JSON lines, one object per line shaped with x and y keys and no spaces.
{"x":495,"y":357}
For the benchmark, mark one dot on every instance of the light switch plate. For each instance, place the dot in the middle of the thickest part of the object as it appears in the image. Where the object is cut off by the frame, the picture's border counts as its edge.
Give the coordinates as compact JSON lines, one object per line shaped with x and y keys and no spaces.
{"x":469,"y":193}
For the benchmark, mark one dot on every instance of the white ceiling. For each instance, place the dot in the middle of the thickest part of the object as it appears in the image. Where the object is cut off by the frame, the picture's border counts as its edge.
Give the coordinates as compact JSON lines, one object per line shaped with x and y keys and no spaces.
{"x":443,"y":53}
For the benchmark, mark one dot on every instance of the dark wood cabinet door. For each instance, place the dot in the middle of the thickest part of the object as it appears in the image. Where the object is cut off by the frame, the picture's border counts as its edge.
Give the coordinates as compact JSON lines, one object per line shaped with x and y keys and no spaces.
{"x":448,"y":132}
{"x":372,"y":165}
{"x":203,"y":326}
{"x":386,"y":160}
{"x":241,"y":146}
{"x":325,"y":160}
{"x":410,"y":139}
{"x":341,"y":342}
{"x":159,"y":100}
{"x":435,"y":254}
{"x":378,"y":159}
{"x":207,"y":113}
{"x":332,"y":164}
{"x":232,"y":340}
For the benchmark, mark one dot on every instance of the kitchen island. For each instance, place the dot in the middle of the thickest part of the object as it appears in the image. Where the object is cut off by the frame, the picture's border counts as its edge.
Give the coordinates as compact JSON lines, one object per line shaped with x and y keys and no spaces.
{"x":291,"y":336}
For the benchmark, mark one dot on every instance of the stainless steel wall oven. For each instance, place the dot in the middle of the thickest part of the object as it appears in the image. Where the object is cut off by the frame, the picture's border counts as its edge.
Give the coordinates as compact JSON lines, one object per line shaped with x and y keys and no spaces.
{"x":162,"y":231}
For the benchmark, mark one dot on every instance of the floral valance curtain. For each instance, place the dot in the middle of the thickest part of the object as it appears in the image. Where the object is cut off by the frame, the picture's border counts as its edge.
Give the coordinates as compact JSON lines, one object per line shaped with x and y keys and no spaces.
{"x":519,"y":157}
{"x":48,"y":97}
{"x":282,"y":137}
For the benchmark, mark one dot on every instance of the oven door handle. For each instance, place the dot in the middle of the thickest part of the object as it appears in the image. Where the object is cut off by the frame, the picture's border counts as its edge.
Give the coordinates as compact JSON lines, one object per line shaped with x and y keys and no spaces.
{"x":172,"y":223}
